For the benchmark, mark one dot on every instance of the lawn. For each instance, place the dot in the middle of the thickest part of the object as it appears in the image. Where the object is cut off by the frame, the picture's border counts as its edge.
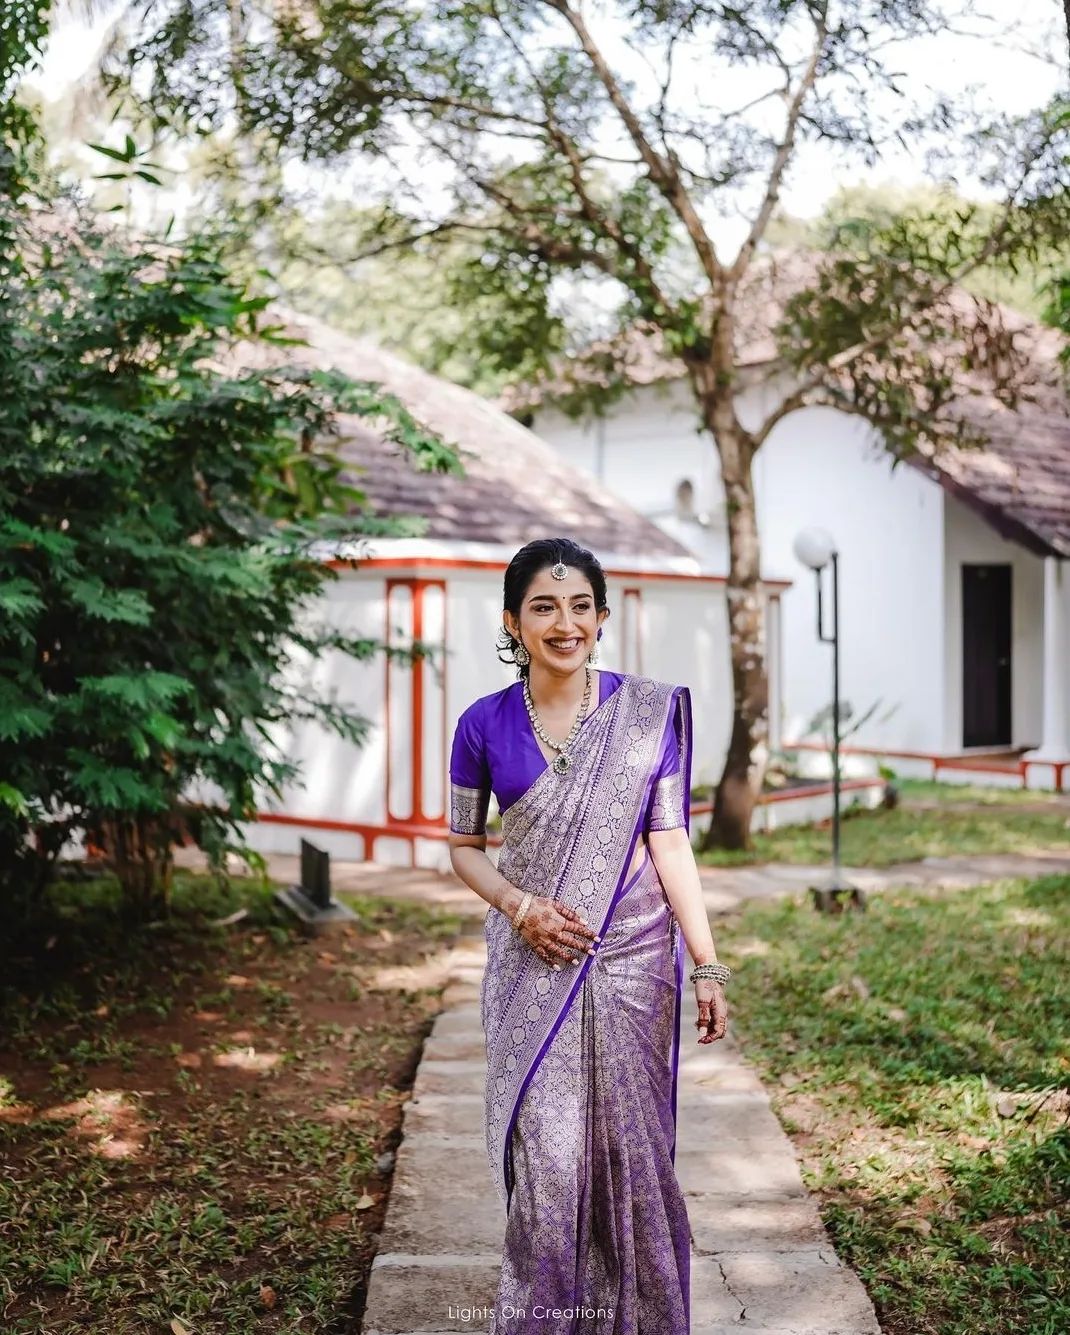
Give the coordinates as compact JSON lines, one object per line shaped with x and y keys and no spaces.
{"x":931,"y":820}
{"x":197,"y":1122}
{"x":918,"y":1055}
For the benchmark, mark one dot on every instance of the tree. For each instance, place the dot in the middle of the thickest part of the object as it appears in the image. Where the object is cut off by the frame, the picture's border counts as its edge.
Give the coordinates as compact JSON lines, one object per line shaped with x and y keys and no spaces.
{"x":855,"y":214}
{"x":161,"y":507}
{"x":159,"y":510}
{"x":580,"y":143}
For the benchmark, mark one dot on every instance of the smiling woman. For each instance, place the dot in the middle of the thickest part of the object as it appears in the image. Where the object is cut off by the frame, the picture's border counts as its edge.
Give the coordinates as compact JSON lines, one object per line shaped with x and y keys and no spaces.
{"x":594,"y":895}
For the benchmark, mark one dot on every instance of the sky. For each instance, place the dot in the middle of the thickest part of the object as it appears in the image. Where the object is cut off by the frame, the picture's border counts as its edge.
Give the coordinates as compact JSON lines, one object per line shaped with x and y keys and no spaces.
{"x":998,"y":67}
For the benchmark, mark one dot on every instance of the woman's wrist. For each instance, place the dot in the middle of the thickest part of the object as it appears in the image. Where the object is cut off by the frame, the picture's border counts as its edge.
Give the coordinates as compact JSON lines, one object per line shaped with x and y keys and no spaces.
{"x":509,"y":899}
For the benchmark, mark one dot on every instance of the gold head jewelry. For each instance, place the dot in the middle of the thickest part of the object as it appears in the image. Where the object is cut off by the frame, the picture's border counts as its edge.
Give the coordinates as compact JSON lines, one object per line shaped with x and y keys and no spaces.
{"x":559,"y":571}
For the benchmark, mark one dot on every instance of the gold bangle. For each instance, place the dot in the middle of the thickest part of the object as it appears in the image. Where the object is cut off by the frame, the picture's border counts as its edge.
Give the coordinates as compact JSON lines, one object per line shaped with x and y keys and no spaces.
{"x":525,"y":904}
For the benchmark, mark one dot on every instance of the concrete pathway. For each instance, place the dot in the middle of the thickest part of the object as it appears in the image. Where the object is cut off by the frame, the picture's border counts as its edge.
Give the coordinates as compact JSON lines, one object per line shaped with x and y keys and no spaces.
{"x":725,"y":888}
{"x":760,"y":1259}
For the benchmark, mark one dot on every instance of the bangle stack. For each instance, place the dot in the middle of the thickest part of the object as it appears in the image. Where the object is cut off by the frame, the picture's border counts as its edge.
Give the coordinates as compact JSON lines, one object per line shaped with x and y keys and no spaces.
{"x":525,"y":904}
{"x":719,"y":972}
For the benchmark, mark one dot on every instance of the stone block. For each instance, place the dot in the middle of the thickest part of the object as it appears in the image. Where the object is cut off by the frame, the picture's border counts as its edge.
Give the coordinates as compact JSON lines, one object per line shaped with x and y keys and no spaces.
{"x":458,"y":1020}
{"x":468,"y":1045}
{"x":806,"y":1292}
{"x":747,"y":1224}
{"x":445,"y":1114}
{"x":705,"y":1118}
{"x":448,"y":1293}
{"x":734,"y":1169}
{"x":449,"y":1077}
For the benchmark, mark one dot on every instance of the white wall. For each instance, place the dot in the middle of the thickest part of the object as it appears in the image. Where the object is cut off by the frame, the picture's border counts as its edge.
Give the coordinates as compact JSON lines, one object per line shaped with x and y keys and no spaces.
{"x":818,"y":467}
{"x":969,"y":540}
{"x":683,"y":634}
{"x":823,"y":468}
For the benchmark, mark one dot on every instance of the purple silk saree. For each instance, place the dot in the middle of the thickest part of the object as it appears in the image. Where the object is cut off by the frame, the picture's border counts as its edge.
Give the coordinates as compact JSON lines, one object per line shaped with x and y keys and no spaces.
{"x":580,"y":1101}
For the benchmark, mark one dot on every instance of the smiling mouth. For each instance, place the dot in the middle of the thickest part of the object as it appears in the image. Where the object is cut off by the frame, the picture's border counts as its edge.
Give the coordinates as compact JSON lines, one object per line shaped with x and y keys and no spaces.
{"x":564,"y":646}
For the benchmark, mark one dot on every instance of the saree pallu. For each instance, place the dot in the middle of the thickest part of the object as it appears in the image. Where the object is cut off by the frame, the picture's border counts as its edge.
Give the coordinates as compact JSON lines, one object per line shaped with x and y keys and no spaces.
{"x":580,"y":1108}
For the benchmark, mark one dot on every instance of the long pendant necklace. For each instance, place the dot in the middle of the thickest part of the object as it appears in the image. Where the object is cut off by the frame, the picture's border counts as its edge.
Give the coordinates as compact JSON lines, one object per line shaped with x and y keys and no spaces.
{"x":563,"y":761}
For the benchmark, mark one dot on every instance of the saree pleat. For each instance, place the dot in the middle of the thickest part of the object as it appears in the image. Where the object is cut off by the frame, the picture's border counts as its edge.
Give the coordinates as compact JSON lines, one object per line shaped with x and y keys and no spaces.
{"x":597,"y":1224}
{"x":581,"y":1084}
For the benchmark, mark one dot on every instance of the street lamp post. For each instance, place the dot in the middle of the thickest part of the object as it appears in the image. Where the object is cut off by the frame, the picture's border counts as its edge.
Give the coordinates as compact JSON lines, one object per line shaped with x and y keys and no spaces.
{"x":816,"y":549}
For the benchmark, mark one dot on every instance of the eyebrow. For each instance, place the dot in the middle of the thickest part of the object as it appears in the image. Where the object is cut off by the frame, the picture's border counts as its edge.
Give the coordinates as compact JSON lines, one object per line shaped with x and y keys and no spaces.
{"x":552,"y":597}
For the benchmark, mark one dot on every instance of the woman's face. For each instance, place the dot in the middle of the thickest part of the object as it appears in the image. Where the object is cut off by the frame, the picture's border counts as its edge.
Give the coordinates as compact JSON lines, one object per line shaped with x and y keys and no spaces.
{"x":558,"y":621}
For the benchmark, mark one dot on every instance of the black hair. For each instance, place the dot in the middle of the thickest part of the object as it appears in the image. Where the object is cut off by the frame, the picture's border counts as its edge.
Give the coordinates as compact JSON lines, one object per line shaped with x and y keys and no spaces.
{"x":523,"y":568}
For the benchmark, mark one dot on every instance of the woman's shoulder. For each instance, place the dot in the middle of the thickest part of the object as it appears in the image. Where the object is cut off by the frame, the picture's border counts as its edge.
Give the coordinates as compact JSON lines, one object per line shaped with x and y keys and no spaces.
{"x":485,"y":705}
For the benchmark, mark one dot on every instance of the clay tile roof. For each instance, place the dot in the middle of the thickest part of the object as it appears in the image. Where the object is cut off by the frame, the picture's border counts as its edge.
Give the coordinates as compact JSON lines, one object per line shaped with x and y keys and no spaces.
{"x":1019,"y":481}
{"x":515,"y":486}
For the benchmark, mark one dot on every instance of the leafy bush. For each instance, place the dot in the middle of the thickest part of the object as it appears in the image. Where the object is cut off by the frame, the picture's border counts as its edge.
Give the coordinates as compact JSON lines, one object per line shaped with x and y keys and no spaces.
{"x":159,"y":508}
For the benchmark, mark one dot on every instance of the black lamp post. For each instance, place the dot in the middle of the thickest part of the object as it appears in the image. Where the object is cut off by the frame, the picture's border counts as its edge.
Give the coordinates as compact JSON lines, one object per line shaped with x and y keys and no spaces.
{"x":815,"y":548}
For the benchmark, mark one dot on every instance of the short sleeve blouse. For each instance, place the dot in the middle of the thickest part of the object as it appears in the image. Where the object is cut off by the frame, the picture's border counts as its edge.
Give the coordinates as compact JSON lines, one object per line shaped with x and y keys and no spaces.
{"x":473,"y":770}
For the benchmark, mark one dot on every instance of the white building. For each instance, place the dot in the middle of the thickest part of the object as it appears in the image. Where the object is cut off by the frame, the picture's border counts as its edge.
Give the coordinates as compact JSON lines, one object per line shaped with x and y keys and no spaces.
{"x":954,"y":588}
{"x":387,"y":800}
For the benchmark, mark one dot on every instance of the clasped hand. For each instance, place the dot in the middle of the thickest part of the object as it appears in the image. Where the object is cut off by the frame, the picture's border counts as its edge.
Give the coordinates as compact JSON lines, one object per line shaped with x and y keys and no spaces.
{"x":556,"y":933}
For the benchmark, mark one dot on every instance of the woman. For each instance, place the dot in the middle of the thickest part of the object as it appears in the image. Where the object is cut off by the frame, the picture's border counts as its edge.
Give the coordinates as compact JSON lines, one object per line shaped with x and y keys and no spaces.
{"x":595,"y":884}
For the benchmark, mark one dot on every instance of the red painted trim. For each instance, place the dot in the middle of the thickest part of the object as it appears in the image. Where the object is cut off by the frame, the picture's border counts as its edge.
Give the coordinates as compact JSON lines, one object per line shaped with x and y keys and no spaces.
{"x":410,"y":830}
{"x":791,"y":794}
{"x":472,"y":563}
{"x":417,"y":722}
{"x":1014,"y":767}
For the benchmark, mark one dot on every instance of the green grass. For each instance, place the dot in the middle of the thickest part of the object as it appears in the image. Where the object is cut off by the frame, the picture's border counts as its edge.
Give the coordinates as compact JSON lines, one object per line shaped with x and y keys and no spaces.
{"x":908,"y":833}
{"x":919,"y":1053}
{"x":245,"y":1203}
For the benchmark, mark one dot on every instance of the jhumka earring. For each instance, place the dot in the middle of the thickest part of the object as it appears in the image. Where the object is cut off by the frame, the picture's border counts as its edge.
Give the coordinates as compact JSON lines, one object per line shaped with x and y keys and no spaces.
{"x":592,"y":657}
{"x":520,"y":655}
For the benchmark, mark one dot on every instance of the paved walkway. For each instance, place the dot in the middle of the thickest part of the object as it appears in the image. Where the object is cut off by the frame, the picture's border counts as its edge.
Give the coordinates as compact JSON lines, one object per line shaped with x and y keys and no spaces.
{"x":725,"y":888}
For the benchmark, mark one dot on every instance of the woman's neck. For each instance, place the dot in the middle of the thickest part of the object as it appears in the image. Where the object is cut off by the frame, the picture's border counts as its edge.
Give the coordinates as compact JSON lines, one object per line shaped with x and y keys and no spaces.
{"x":552,"y":692}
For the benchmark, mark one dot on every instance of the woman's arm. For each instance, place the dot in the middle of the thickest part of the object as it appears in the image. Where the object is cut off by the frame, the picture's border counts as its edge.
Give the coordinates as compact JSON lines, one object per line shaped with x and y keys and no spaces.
{"x":468,"y":856}
{"x":672,"y":855}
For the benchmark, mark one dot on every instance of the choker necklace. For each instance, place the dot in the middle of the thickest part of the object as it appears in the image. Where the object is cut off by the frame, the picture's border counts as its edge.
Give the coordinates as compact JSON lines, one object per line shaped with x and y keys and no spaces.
{"x":563,"y":761}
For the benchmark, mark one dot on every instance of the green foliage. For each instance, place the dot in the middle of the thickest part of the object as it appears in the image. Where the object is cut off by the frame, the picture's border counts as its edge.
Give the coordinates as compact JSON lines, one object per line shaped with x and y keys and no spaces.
{"x":23,"y":29}
{"x":858,"y":218}
{"x":160,"y":508}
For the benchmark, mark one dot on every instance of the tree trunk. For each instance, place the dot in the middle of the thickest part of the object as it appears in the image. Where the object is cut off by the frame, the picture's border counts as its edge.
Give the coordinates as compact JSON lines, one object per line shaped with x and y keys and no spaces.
{"x":741,"y":779}
{"x":140,"y":852}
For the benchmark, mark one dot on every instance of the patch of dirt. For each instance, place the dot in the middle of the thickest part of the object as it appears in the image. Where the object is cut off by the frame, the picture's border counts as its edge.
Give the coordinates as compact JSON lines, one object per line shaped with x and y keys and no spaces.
{"x":329,"y":1027}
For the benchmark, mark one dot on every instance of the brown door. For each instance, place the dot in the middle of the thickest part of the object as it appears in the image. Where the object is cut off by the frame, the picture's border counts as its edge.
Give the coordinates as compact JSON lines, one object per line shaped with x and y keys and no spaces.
{"x":986,"y":655}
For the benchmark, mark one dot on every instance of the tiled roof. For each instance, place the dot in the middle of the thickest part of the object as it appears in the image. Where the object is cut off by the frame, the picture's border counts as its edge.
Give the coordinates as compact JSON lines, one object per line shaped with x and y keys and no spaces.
{"x":515,"y":487}
{"x":1019,"y":480}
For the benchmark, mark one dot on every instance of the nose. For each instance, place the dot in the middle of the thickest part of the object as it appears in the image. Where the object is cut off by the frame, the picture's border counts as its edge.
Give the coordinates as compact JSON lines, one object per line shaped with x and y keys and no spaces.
{"x":564,"y":621}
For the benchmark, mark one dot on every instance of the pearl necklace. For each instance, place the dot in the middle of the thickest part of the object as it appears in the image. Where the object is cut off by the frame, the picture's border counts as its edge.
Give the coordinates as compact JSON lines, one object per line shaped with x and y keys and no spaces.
{"x":563,"y":762}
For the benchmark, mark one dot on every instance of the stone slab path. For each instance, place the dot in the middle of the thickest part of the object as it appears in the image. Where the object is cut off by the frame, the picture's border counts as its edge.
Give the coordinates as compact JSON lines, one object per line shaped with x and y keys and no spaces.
{"x":724,"y":888}
{"x":761,"y":1259}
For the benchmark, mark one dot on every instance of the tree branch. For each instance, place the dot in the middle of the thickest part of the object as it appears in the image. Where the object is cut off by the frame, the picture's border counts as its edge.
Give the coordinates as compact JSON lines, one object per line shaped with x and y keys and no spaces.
{"x":783,"y":154}
{"x":662,"y":169}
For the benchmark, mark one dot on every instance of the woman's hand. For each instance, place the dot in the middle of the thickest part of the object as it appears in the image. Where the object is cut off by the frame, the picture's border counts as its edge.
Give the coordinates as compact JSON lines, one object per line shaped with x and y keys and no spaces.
{"x":712,"y":1010}
{"x":556,"y":933}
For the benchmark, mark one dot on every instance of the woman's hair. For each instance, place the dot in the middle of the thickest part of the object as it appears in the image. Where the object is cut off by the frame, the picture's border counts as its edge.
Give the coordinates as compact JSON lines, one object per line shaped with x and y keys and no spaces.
{"x":523,"y":568}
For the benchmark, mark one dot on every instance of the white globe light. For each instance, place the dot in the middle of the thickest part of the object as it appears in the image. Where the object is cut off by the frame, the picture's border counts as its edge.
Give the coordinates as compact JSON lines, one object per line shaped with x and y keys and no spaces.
{"x":814,"y":547}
